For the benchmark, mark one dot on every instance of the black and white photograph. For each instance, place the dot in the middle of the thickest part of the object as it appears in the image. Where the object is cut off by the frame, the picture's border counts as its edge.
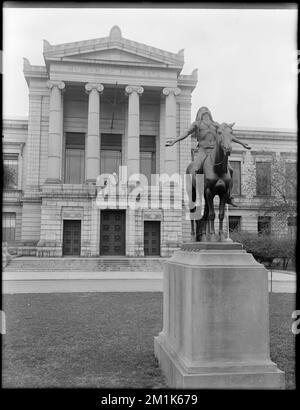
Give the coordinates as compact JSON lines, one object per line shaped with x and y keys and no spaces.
{"x":149,"y":199}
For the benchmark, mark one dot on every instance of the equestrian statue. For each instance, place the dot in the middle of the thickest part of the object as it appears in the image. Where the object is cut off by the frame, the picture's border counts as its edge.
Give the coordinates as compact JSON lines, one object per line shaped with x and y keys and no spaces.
{"x":214,"y":143}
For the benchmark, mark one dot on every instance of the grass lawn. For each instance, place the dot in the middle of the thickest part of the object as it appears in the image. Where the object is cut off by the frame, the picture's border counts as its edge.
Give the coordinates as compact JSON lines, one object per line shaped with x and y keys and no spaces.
{"x":104,"y":340}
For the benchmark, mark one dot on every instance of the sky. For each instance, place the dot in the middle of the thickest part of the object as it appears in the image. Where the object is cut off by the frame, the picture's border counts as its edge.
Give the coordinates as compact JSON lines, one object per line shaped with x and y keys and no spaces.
{"x":246,"y":59}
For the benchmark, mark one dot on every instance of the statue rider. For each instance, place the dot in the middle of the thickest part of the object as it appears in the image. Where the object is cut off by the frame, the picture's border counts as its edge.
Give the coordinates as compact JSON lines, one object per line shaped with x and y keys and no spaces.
{"x":204,"y":129}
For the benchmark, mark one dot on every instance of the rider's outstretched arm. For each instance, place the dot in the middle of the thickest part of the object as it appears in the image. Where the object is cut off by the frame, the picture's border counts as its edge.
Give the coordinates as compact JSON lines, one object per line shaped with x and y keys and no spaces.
{"x":234,"y":139}
{"x":189,"y":131}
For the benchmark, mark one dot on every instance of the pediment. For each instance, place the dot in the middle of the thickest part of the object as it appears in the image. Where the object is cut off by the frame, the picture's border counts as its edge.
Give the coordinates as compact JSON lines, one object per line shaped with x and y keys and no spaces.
{"x":113,"y":49}
{"x":114,"y":56}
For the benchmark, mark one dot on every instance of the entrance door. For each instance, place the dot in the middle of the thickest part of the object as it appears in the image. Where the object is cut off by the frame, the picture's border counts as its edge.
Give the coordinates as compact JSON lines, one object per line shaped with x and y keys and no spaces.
{"x":152,"y":238}
{"x":112,"y":233}
{"x":71,"y":238}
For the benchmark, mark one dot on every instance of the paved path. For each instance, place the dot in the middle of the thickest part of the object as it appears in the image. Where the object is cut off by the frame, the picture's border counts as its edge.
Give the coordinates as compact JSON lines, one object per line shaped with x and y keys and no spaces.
{"x":58,"y":282}
{"x":283,"y":282}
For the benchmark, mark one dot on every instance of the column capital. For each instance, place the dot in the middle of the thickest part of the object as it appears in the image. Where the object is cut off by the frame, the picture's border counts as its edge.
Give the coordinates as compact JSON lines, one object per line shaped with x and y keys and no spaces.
{"x":171,"y":90}
{"x":131,"y":88}
{"x":59,"y":84}
{"x":94,"y":86}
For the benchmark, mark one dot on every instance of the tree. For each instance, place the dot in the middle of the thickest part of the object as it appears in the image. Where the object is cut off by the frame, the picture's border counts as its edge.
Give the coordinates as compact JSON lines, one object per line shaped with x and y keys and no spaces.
{"x":267,"y":248}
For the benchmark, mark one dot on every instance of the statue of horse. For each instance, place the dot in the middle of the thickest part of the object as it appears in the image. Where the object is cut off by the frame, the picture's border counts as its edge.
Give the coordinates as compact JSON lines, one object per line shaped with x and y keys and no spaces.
{"x":217,"y":181}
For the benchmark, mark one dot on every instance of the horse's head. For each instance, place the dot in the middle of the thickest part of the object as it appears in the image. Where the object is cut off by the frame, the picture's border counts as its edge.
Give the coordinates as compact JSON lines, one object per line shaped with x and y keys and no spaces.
{"x":224,"y":136}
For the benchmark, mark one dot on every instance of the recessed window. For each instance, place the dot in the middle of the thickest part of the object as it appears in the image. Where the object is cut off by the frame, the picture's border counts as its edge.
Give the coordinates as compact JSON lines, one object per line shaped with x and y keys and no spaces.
{"x":236,"y":166}
{"x":263,"y":178}
{"x":74,"y":154}
{"x":8,"y":226}
{"x":148,"y":156}
{"x":291,"y":179}
{"x":234,"y":223}
{"x":10,"y":162}
{"x":111,"y":153}
{"x":264,"y":225}
{"x":292,"y":226}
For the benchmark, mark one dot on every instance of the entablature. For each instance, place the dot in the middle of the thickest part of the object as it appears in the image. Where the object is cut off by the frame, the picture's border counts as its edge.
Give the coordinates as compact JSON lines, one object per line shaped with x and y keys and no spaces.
{"x":105,"y":74}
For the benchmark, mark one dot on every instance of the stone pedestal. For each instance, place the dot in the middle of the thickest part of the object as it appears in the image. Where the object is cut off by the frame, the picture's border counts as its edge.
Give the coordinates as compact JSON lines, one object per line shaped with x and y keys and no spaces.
{"x":216,"y":320}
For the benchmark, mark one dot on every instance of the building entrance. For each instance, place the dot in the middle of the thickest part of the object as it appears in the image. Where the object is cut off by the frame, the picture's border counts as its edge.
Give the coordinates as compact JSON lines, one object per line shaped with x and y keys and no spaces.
{"x":71,"y":238}
{"x":152,"y":238}
{"x":112,"y":232}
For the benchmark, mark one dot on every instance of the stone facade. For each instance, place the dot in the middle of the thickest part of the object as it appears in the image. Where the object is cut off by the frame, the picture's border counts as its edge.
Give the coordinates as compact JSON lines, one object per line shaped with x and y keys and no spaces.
{"x":75,"y":92}
{"x":111,"y":87}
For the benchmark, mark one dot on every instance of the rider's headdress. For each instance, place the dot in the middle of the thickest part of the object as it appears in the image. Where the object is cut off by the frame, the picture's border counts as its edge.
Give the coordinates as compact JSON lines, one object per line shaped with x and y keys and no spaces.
{"x":201,"y":111}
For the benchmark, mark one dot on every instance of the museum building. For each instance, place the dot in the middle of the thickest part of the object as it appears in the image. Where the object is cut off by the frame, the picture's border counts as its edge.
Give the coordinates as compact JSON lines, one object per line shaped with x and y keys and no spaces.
{"x":99,"y":105}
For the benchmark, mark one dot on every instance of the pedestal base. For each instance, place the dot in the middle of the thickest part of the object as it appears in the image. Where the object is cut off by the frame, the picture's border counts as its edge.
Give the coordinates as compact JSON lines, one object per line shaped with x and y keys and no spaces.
{"x":216,"y":320}
{"x":218,"y":376}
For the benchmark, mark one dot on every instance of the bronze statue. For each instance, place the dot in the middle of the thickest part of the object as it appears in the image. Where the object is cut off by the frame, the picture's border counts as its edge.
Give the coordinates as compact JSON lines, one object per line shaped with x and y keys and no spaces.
{"x":214,"y":142}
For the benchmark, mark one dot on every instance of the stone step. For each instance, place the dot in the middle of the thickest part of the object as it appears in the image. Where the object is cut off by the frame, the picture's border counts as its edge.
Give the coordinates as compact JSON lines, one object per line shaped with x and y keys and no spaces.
{"x":85,"y":264}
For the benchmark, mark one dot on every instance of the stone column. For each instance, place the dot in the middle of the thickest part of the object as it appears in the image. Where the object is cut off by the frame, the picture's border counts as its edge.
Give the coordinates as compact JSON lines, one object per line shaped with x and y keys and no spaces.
{"x":133,"y":137}
{"x":55,"y":132}
{"x":171,"y":165}
{"x":93,"y":137}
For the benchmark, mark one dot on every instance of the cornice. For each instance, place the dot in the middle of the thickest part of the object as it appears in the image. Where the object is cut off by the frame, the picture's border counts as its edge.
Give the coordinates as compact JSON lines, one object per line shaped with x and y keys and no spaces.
{"x":269,"y":134}
{"x":19,"y":144}
{"x":189,"y":81}
{"x":33,"y":71}
{"x":15,"y":123}
{"x":149,"y":64}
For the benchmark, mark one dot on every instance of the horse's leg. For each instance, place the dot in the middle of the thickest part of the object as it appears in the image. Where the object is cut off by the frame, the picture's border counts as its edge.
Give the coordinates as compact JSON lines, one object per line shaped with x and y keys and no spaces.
{"x":190,"y":180}
{"x":192,"y":227}
{"x":221,"y":216}
{"x":211,"y":216}
{"x":203,"y":225}
{"x":198,"y":229}
{"x":191,"y":192}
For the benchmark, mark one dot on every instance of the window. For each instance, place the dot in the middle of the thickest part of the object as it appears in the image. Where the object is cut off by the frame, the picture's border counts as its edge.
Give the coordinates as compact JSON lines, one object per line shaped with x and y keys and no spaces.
{"x":148,"y":156}
{"x":236,"y":166}
{"x":234,"y":223}
{"x":291,"y":179}
{"x":263,"y":178}
{"x":111,"y":153}
{"x":264,"y":225}
{"x":8,"y":226}
{"x":74,"y":164}
{"x":292,"y":227}
{"x":10,"y":162}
